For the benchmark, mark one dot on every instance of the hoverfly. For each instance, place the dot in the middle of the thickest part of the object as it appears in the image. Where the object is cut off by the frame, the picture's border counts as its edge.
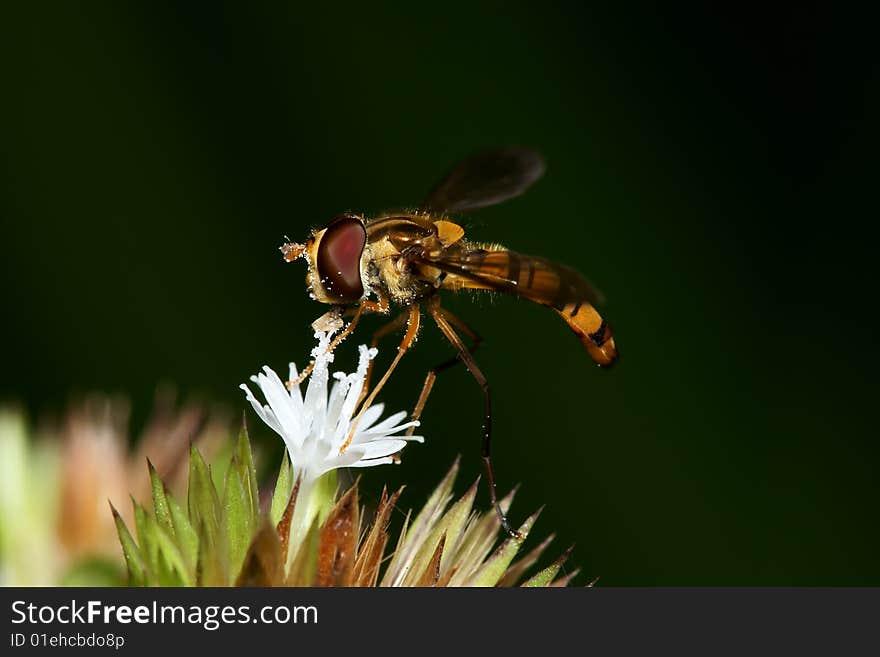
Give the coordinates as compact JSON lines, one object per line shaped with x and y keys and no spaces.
{"x":405,"y":258}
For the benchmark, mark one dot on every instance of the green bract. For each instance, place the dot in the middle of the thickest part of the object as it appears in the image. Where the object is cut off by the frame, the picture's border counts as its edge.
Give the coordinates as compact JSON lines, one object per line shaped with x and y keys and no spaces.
{"x":222,"y":538}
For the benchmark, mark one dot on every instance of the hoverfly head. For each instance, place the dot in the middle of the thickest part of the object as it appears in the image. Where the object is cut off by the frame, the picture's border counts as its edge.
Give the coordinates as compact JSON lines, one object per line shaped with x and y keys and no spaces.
{"x":334,"y":256}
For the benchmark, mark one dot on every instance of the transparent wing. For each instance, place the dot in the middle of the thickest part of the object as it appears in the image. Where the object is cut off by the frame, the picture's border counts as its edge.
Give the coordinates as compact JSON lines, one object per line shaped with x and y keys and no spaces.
{"x":531,"y":277}
{"x":485,"y":179}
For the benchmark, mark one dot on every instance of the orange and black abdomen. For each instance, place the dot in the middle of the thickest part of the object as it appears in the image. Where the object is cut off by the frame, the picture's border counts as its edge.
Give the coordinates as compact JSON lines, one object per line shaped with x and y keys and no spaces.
{"x":593,"y":332}
{"x":539,"y":280}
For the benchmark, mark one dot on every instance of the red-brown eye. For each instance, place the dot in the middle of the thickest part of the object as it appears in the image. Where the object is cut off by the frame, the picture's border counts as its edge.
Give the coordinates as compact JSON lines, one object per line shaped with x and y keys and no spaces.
{"x":339,"y":259}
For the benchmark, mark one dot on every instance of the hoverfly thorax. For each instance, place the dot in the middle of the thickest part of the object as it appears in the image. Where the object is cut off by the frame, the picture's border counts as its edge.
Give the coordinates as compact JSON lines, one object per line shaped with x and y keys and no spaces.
{"x":334,"y":254}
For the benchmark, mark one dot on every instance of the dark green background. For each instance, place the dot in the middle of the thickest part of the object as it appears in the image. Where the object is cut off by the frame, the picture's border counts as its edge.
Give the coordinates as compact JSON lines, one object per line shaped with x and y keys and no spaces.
{"x":712,"y":170}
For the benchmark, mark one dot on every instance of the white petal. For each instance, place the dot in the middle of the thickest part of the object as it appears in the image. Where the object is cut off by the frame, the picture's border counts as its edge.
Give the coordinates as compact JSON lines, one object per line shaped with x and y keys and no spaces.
{"x":316,"y":392}
{"x":372,"y":462}
{"x":336,"y":411}
{"x":315,"y":422}
{"x":295,"y":392}
{"x":347,"y":459}
{"x":279,"y":399}
{"x":373,"y":434}
{"x":389,"y":422}
{"x":370,"y":416}
{"x":264,"y":413}
{"x":382,"y":448}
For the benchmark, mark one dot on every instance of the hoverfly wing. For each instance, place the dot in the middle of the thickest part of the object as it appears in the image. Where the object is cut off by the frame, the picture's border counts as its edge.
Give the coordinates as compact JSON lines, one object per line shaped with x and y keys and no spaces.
{"x":485,"y":179}
{"x":530,"y":277}
{"x":536,"y":279}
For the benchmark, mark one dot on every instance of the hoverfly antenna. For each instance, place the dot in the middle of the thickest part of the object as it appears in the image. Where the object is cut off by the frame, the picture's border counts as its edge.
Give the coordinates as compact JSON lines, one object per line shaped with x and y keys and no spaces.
{"x":292,"y":250}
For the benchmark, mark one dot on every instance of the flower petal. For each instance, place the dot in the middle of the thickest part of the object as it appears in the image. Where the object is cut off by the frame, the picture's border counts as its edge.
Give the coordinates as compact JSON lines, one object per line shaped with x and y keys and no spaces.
{"x":368,"y":464}
{"x":316,"y":422}
{"x":386,"y":424}
{"x":264,"y":412}
{"x":279,"y":399}
{"x":370,"y":416}
{"x":382,"y":448}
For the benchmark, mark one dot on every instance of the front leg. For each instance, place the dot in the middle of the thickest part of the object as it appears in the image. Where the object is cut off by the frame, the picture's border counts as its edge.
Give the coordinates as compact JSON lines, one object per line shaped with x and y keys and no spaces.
{"x":381,"y":306}
{"x":387,"y":329}
{"x":413,"y":317}
{"x":332,"y":321}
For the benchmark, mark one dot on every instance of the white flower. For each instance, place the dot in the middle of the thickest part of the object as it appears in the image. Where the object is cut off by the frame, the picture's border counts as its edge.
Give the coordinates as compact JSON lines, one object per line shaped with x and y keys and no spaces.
{"x":316,"y":428}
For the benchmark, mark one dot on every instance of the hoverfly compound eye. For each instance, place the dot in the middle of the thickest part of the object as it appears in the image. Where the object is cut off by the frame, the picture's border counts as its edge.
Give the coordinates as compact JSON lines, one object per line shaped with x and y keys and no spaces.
{"x":339,"y":258}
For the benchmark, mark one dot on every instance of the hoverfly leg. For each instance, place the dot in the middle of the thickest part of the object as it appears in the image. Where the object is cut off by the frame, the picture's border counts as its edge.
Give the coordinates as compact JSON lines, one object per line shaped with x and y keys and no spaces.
{"x":387,"y":329}
{"x":413,"y":319}
{"x":427,"y":386}
{"x":329,"y":322}
{"x":445,"y":325}
{"x":476,"y":338}
{"x":348,"y":329}
{"x":382,"y":306}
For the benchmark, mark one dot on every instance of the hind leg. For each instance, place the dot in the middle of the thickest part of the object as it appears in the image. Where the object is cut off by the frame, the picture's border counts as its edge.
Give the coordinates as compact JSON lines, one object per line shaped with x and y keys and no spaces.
{"x":445,"y":324}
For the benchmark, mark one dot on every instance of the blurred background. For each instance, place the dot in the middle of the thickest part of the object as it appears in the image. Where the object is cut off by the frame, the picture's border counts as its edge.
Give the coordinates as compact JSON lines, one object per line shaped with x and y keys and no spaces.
{"x":711,"y":169}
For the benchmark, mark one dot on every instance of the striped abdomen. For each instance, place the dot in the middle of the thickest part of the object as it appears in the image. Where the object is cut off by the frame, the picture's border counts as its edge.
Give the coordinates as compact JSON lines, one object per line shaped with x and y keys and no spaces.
{"x":539,"y":280}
